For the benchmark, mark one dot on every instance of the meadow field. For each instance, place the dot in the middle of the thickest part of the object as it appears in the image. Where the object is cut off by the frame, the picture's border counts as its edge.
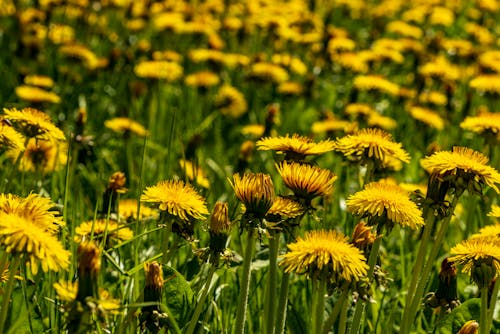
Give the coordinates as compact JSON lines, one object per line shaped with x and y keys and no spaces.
{"x":249,"y":166}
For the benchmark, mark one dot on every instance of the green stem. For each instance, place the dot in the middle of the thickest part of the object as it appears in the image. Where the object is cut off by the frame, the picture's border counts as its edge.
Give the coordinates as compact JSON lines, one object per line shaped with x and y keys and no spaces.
{"x":343,"y":320}
{"x":8,"y":291}
{"x":318,"y":303}
{"x":493,"y":302}
{"x":360,"y":305}
{"x":483,"y":322}
{"x":270,"y":304}
{"x":417,"y":268}
{"x":428,"y":265}
{"x":341,"y":304}
{"x":167,"y":231}
{"x":201,"y":301}
{"x":245,"y":284}
{"x":282,"y":304}
{"x":25,"y":294}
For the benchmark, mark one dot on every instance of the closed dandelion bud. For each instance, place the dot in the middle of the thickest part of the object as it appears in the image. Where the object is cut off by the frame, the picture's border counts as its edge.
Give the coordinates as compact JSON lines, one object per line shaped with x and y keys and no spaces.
{"x":470,"y":327}
{"x":362,"y":237}
{"x":154,"y":283}
{"x":116,"y":185}
{"x":255,"y":191}
{"x":89,"y":265}
{"x":219,"y":228}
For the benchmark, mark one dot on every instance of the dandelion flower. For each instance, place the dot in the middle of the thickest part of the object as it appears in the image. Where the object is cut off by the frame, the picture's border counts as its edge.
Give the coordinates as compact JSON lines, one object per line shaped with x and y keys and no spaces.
{"x":427,"y":117}
{"x":480,"y":258}
{"x":66,"y":290}
{"x":203,"y":79}
{"x":33,"y":123}
{"x":376,"y":83}
{"x":285,"y":207}
{"x":306,"y":181}
{"x":126,"y":126}
{"x":128,"y":210}
{"x":373,"y":144}
{"x":495,"y":211}
{"x":484,"y":123}
{"x":379,"y":200}
{"x":268,"y":71}
{"x":194,"y":173}
{"x":325,"y":251}
{"x":489,"y":83}
{"x":24,"y":237}
{"x":36,"y":94}
{"x":230,"y":101}
{"x":81,"y":52}
{"x":98,"y":228}
{"x":10,"y":139}
{"x":295,"y":147}
{"x":177,"y":198}
{"x":39,"y":81}
{"x":46,"y":156}
{"x":255,"y":191}
{"x":463,"y":164}
{"x":159,"y":69}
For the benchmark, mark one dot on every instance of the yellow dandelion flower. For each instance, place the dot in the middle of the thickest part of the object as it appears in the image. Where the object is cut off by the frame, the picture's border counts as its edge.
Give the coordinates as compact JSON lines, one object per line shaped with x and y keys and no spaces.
{"x":219,"y":222}
{"x":433,"y":97}
{"x":464,"y":165}
{"x":230,"y":101}
{"x":290,"y":88}
{"x":285,"y":207}
{"x":356,"y":109}
{"x":269,"y":71}
{"x":470,"y":327}
{"x":253,"y":130}
{"x":168,"y":55}
{"x":46,"y":156}
{"x":39,"y":81}
{"x":61,"y":34}
{"x":33,"y":123}
{"x":441,"y":16}
{"x":488,"y":83}
{"x":177,"y":198}
{"x":10,"y":139}
{"x":371,"y":144}
{"x":24,"y":237}
{"x":78,"y":51}
{"x":380,"y":200}
{"x":194,"y":173}
{"x":379,"y":121}
{"x":427,"y":117}
{"x":159,"y":69}
{"x":126,"y":126}
{"x":340,"y":44}
{"x":295,"y":147}
{"x":255,"y":191}
{"x":325,"y":251}
{"x":203,"y":55}
{"x":489,"y":231}
{"x":114,"y":231}
{"x":202,"y":79}
{"x":484,"y":123}
{"x":377,"y":83}
{"x":66,"y":290}
{"x":480,"y":258}
{"x":490,"y":60}
{"x":404,"y":29}
{"x":480,"y":33}
{"x":306,"y":181}
{"x":127,"y":209}
{"x":440,"y":68}
{"x":458,"y":47}
{"x":333,"y":124}
{"x":353,"y":61}
{"x":495,"y":211}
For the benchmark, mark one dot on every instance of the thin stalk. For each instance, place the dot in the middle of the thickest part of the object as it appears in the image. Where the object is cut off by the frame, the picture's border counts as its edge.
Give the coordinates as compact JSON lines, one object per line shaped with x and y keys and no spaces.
{"x":201,"y":301}
{"x":25,"y":294}
{"x":484,"y":322}
{"x":272,"y":277}
{"x":318,"y":303}
{"x":245,"y":284}
{"x":429,"y":263}
{"x":429,"y":218}
{"x":166,"y":232}
{"x":341,"y":304}
{"x":8,"y":291}
{"x":360,"y":305}
{"x":493,"y":302}
{"x":282,"y":304}
{"x":343,"y":320}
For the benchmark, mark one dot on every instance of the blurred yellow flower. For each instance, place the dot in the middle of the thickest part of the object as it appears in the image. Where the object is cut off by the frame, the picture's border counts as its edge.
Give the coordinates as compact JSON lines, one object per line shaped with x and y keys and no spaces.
{"x":230,"y":101}
{"x":36,"y":94}
{"x":159,"y":69}
{"x":34,"y":123}
{"x":377,"y":83}
{"x":202,"y":79}
{"x":96,"y":230}
{"x":126,"y":126}
{"x":484,"y":123}
{"x":427,"y":116}
{"x":45,"y":156}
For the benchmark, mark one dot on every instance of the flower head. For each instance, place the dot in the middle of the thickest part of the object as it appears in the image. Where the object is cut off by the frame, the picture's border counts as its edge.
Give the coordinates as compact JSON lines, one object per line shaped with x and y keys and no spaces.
{"x":255,"y":191}
{"x":387,"y":203}
{"x":194,"y":173}
{"x":10,"y":139}
{"x":480,"y":258}
{"x":295,"y":147}
{"x":285,"y":208}
{"x":33,"y":123}
{"x":46,"y":156}
{"x":325,"y":251}
{"x":427,"y":116}
{"x":159,"y":69}
{"x":127,"y":209}
{"x":99,"y":228}
{"x":202,"y":79}
{"x":306,"y":181}
{"x":25,"y":237}
{"x":374,"y":144}
{"x":484,"y":123}
{"x":464,"y":167}
{"x":36,"y":94}
{"x":126,"y":126}
{"x":230,"y":101}
{"x":177,"y":198}
{"x":376,"y":83}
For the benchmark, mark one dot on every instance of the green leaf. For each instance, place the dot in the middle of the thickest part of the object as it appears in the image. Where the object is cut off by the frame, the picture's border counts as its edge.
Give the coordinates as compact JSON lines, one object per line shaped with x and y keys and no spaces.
{"x":178,"y":295}
{"x":451,"y":323}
